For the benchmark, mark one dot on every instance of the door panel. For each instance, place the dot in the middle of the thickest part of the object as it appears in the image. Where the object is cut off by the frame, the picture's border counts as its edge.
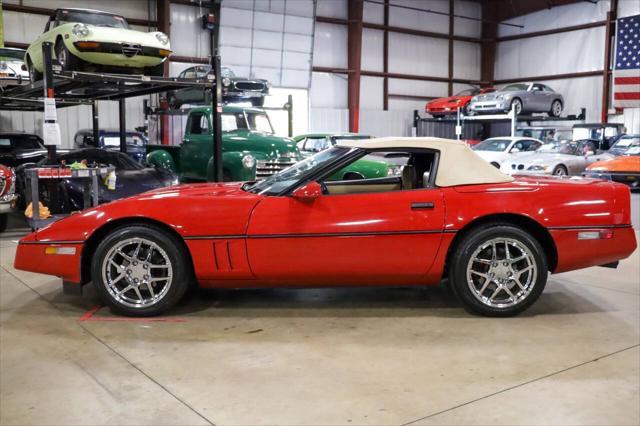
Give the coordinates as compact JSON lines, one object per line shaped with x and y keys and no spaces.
{"x":347,"y":239}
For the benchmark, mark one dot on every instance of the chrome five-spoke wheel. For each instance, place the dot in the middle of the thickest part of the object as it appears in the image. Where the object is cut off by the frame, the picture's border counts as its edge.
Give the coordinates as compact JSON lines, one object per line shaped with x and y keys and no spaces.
{"x":501,"y":272}
{"x":137,"y":272}
{"x":498,"y":269}
{"x":141,"y":270}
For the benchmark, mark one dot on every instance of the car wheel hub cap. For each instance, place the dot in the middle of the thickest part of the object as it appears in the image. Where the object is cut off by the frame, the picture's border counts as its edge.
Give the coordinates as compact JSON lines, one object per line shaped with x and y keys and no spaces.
{"x":137,"y":273}
{"x":501,"y":272}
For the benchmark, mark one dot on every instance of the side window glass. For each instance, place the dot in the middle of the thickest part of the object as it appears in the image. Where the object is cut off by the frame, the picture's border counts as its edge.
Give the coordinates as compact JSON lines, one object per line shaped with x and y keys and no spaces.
{"x":199,"y":124}
{"x":300,"y":144}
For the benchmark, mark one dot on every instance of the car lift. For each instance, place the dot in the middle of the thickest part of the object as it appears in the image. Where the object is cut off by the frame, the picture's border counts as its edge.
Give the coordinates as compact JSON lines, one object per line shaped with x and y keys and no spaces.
{"x":488,"y":125}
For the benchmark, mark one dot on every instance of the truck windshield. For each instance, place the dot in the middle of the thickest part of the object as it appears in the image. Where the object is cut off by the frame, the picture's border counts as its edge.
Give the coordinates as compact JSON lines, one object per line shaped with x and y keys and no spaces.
{"x":246,"y":120}
{"x":275,"y":184}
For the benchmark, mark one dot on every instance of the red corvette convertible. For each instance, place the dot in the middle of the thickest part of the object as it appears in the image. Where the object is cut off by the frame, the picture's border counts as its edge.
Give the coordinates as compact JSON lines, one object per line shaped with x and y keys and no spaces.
{"x":445,"y":106}
{"x":449,"y":214}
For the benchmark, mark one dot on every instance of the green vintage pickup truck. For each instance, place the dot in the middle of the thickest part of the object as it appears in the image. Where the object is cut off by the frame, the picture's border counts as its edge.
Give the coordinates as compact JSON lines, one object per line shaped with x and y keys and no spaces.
{"x":250,"y":150}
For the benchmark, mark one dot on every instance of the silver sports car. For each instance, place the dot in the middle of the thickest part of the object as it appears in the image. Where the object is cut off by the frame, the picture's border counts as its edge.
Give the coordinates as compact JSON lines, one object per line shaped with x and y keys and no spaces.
{"x":556,"y":158}
{"x":523,"y":97}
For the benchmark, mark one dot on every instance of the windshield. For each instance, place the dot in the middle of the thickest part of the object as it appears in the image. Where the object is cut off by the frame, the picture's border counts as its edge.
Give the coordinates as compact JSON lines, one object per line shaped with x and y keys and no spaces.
{"x":132,"y":139}
{"x":92,"y":18}
{"x":11,"y":54}
{"x":570,"y":148}
{"x":245,"y":120}
{"x":492,"y":145}
{"x":275,"y":184}
{"x":468,"y":92}
{"x":627,"y":145}
{"x":20,"y":142}
{"x":515,"y":87}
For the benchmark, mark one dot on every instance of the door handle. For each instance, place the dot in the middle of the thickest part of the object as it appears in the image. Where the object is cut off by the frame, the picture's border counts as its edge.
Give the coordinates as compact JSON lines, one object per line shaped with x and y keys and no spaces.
{"x":422,"y":206}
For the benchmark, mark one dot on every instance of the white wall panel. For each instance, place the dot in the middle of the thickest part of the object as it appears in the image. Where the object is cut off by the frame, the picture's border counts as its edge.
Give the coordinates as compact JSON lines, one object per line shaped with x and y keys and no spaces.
{"x":379,"y":123}
{"x":416,"y":55}
{"x":23,"y":27}
{"x":129,"y":9}
{"x":329,"y":120}
{"x":557,"y":17}
{"x":328,"y":90}
{"x":330,"y":46}
{"x":467,"y":27}
{"x":407,"y":105}
{"x":299,"y":8}
{"x":466,"y":60}
{"x":187,"y":37}
{"x":372,"y":49}
{"x":373,"y":13}
{"x":371,"y":89}
{"x":552,"y":54}
{"x":332,"y":8}
{"x":408,"y":18}
{"x":268,"y":21}
{"x":628,"y":8}
{"x":417,"y":87}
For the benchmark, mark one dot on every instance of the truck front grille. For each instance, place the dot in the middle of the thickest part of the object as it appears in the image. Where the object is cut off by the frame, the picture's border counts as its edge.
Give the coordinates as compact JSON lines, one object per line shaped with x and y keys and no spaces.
{"x":130,"y":50}
{"x":249,"y":86}
{"x":264,"y":169}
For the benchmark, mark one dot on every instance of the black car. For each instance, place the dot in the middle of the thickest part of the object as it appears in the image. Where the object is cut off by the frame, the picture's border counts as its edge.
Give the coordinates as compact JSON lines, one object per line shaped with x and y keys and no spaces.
{"x":110,"y":139}
{"x":18,"y":148}
{"x":131,"y":178}
{"x":234,"y":89}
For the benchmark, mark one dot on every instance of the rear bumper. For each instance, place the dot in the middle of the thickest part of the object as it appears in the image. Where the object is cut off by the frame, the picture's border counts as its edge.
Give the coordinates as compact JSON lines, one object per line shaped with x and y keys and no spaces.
{"x":574,"y":253}
{"x":31,"y":256}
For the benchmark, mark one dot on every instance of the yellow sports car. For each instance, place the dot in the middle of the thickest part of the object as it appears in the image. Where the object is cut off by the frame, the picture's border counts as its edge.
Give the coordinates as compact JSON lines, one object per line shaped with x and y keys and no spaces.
{"x":90,"y":40}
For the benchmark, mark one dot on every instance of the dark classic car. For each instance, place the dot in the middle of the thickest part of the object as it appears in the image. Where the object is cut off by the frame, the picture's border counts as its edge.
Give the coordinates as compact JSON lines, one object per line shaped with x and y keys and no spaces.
{"x":131,"y":178}
{"x":234,"y":89}
{"x":110,"y":139}
{"x":18,"y":148}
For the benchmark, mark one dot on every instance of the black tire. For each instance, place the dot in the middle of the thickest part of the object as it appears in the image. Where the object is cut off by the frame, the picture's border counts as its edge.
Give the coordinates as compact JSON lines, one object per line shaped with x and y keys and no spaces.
{"x":4,"y":218}
{"x":182,"y":271}
{"x":556,"y":108}
{"x":257,"y":102}
{"x":518,"y":105}
{"x":157,"y":71}
{"x":560,"y":170}
{"x":34,"y":74}
{"x":67,"y":61}
{"x":462,"y":257}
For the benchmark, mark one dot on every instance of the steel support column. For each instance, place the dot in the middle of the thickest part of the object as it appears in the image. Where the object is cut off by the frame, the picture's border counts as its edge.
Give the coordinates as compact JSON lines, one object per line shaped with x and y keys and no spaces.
{"x":451,"y":26}
{"x":354,"y":59}
{"x":122,"y":110}
{"x":385,"y":58}
{"x":610,"y":30}
{"x":163,"y":14}
{"x":488,"y":45}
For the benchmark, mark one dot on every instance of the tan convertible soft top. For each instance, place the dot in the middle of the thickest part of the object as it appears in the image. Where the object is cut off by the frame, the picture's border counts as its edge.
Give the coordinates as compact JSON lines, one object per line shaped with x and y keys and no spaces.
{"x":458,"y":164}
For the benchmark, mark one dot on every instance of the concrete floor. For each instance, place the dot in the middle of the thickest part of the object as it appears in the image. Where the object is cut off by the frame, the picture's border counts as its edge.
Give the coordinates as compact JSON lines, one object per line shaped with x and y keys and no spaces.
{"x":311,"y":357}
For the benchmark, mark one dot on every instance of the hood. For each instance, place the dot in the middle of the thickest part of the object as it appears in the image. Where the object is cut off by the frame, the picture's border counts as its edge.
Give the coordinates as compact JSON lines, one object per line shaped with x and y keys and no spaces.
{"x":536,"y":157}
{"x":122,"y":35}
{"x":260,"y":144}
{"x":451,"y":100}
{"x":627,"y":163}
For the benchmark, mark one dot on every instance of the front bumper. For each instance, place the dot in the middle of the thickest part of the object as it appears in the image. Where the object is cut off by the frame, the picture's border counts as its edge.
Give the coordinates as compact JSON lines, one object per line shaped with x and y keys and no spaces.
{"x":8,"y":204}
{"x":119,"y":54}
{"x":495,"y":105}
{"x":31,"y":255}
{"x":628,"y":178}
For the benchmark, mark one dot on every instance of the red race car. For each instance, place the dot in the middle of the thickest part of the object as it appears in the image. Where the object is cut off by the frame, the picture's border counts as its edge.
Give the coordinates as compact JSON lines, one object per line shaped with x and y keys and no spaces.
{"x":445,"y":106}
{"x":448,"y":214}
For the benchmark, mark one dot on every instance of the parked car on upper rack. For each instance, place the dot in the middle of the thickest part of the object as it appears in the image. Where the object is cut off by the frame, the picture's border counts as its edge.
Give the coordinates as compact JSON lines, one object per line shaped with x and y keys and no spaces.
{"x":522,"y":97}
{"x":625,"y":168}
{"x":446,"y":106}
{"x":7,"y":194}
{"x":13,"y":70}
{"x":450,"y":215}
{"x":91,"y":40}
{"x":497,"y":150}
{"x":556,"y":158}
{"x":131,"y":178}
{"x":18,"y":148}
{"x":234,"y":89}
{"x":110,"y":139}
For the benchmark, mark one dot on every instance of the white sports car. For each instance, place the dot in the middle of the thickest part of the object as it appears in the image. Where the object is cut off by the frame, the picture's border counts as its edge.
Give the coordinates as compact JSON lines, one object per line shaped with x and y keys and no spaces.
{"x":556,"y":158}
{"x":497,"y":150}
{"x":12,"y":67}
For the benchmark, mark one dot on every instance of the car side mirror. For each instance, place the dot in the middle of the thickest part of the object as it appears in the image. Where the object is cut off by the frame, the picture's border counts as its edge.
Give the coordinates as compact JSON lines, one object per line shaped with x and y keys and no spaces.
{"x":308,"y":192}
